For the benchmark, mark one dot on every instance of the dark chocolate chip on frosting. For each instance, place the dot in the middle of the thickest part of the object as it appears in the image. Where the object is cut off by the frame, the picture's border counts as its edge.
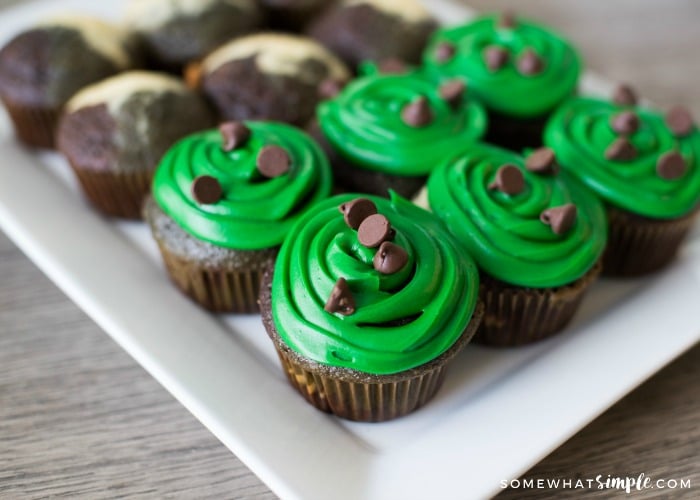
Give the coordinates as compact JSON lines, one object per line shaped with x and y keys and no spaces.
{"x":357,"y":210}
{"x":507,"y":19}
{"x":330,"y":88}
{"x":671,"y":165}
{"x":495,"y":57}
{"x":542,"y":161}
{"x":625,"y":123}
{"x":445,"y":52}
{"x":390,"y":258}
{"x":530,"y":63}
{"x":392,"y":66}
{"x":680,"y":121}
{"x":560,"y":219}
{"x":206,"y":190}
{"x":234,"y":135}
{"x":341,"y":299}
{"x":624,"y":95}
{"x":417,"y":114}
{"x":452,"y":92}
{"x":374,"y":231}
{"x":273,"y":161}
{"x":621,"y":150}
{"x":509,"y":180}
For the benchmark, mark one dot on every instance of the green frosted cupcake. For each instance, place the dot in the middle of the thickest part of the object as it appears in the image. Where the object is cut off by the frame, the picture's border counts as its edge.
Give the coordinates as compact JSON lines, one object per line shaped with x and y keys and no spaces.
{"x":644,"y":165}
{"x":520,"y":70}
{"x":536,"y":235}
{"x":389,"y":131}
{"x":368,"y":303}
{"x":223,"y":202}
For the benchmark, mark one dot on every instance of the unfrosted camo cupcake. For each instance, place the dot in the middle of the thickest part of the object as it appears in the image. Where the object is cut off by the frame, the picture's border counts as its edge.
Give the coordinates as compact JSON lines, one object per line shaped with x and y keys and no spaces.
{"x":268,"y":76}
{"x":177,"y":32}
{"x":115,"y":132}
{"x":374,"y":30}
{"x":520,"y":71}
{"x":223,"y":202}
{"x":390,"y":131}
{"x":43,"y":67}
{"x":536,"y":236}
{"x":643,"y":164}
{"x":369,"y":302}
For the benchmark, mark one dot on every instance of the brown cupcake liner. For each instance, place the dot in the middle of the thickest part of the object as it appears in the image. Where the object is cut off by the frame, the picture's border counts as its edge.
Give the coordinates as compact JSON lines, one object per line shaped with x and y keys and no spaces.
{"x":219,"y":290}
{"x":638,"y":245}
{"x":516,"y":316}
{"x":115,"y":194}
{"x":360,"y":396}
{"x":192,"y":74}
{"x":34,"y":126}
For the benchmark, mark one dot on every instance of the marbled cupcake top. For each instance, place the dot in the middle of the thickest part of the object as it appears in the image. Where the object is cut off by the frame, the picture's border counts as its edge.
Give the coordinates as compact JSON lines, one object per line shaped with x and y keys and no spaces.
{"x":47,"y":64}
{"x":633,"y":157}
{"x":514,"y":66}
{"x":372,"y":284}
{"x":242,"y":186}
{"x":524,"y":223}
{"x":400,"y":124}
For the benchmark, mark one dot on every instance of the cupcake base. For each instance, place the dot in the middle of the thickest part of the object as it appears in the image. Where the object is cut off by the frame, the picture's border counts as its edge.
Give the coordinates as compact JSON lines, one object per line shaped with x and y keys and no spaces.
{"x":219,"y":279}
{"x":355,"y":395}
{"x":516,"y":316}
{"x":638,"y":245}
{"x":115,"y":194}
{"x":34,"y":126}
{"x":514,"y":133}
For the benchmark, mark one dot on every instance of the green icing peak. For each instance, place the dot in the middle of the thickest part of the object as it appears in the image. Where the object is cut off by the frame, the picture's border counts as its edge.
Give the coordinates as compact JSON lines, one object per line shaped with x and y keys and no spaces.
{"x":504,"y":232}
{"x":507,"y":90}
{"x":580,"y":132}
{"x":364,"y":123}
{"x":402,"y":320}
{"x":254,"y":212}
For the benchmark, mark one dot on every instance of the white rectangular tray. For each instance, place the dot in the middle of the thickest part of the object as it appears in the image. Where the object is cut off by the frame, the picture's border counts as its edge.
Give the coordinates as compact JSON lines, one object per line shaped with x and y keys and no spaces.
{"x":499,"y":413}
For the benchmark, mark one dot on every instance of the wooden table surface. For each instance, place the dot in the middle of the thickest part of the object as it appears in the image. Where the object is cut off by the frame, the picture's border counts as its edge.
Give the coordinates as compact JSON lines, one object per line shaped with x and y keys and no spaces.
{"x":79,"y":418}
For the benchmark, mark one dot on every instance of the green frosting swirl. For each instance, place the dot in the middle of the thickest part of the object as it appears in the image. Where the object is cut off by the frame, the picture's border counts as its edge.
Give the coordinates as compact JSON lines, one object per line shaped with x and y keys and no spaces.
{"x":364,"y":124}
{"x":504,"y":233}
{"x":402,"y":320}
{"x":506,"y":90}
{"x":255,"y":212}
{"x":580,"y":132}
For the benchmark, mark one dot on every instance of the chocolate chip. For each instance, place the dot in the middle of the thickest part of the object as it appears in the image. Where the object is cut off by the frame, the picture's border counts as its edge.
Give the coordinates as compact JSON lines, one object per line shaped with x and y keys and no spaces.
{"x":234,"y":135}
{"x":330,"y":88}
{"x":374,"y":231}
{"x":625,"y":123}
{"x":624,"y":95}
{"x":495,"y":57}
{"x":680,"y":121}
{"x":452,"y":92}
{"x":390,"y":258}
{"x":206,"y":190}
{"x":357,"y":210}
{"x":273,"y":161}
{"x":418,"y":113}
{"x":529,"y":63}
{"x":671,"y":166}
{"x":507,"y":19}
{"x":341,"y":299}
{"x":621,"y":150}
{"x":561,"y":219}
{"x":392,"y":66}
{"x":542,"y":161}
{"x":445,"y":52}
{"x":509,"y":180}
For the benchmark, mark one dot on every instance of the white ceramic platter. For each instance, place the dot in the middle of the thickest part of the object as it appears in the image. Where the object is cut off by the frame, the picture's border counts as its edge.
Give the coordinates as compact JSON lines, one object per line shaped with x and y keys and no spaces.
{"x":498,"y":413}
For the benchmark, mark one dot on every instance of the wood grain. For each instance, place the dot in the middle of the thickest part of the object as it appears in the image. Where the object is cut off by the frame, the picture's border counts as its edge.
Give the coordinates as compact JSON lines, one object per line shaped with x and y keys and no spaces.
{"x":79,"y":418}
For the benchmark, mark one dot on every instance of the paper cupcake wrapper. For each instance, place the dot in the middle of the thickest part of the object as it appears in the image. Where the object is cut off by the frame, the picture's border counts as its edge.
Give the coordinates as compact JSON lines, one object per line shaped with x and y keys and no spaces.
{"x":115,"y":194}
{"x":359,"y":396}
{"x":35,"y":127}
{"x":516,"y":316}
{"x":218,"y":290}
{"x":638,"y":246}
